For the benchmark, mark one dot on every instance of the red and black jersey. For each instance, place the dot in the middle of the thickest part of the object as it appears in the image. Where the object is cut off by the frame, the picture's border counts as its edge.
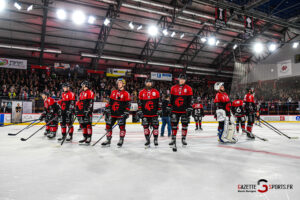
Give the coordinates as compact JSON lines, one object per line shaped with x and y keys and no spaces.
{"x":222,"y":101}
{"x":50,"y":106}
{"x":249,"y":103}
{"x":85,"y":102}
{"x":119,"y":102}
{"x":67,"y":101}
{"x":149,"y":102}
{"x":237,"y":108}
{"x":198,"y":110}
{"x":181,"y":98}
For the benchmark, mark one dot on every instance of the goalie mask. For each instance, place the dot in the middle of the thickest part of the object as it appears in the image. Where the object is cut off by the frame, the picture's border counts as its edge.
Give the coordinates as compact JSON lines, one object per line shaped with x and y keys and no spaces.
{"x":218,"y":85}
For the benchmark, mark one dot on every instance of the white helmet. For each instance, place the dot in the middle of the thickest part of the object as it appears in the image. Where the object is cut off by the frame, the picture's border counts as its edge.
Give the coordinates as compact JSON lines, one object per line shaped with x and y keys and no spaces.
{"x":218,"y":85}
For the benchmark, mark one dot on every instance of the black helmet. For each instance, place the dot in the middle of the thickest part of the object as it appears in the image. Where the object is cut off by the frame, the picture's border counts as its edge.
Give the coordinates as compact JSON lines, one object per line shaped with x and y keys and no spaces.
{"x":237,"y":97}
{"x":148,"y":80}
{"x":86,"y":84}
{"x":182,"y":76}
{"x":65,"y":85}
{"x":45,"y":93}
{"x":249,"y":88}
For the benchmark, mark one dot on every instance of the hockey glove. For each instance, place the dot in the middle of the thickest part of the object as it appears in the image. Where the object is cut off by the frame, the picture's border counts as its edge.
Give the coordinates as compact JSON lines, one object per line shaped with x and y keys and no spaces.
{"x":42,"y":117}
{"x":86,"y":113}
{"x":140,"y":114}
{"x":169,"y":110}
{"x":189,"y":111}
{"x":125,"y":115}
{"x":159,"y":113}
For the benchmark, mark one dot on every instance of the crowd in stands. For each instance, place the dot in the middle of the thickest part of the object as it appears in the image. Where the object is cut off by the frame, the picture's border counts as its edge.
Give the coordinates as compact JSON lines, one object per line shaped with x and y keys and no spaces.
{"x":27,"y":85}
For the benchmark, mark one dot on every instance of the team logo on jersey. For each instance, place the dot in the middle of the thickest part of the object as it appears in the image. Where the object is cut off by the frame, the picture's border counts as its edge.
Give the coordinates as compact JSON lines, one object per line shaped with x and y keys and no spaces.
{"x":179,"y":101}
{"x":154,"y":94}
{"x":185,"y":90}
{"x":115,"y":106}
{"x":80,"y":105}
{"x":63,"y":106}
{"x":149,"y":105}
{"x":121,"y":96}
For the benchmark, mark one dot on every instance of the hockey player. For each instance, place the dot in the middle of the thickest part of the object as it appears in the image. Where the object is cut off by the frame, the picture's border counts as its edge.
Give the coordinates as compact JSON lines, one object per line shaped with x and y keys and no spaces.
{"x":180,"y":107}
{"x":222,"y":105}
{"x":250,"y":109}
{"x":239,"y":113}
{"x":67,"y":106}
{"x":50,"y":114}
{"x":198,"y":114}
{"x":117,"y":109}
{"x":148,"y":111}
{"x":84,"y":109}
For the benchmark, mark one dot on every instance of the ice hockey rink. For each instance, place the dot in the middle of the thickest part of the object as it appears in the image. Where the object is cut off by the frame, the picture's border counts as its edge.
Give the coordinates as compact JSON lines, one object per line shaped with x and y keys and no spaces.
{"x":42,"y":169}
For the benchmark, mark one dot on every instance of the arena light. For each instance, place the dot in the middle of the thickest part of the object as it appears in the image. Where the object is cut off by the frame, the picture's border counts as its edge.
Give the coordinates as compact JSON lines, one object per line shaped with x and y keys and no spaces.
{"x":78,"y":17}
{"x":295,"y":45}
{"x":173,"y":34}
{"x":211,"y":41}
{"x":91,"y":20}
{"x":17,"y":5}
{"x":182,"y":36}
{"x":234,"y":46}
{"x":152,"y":30}
{"x":2,"y":5}
{"x":272,"y":47}
{"x":61,"y":14}
{"x":203,"y":39}
{"x":258,"y":47}
{"x":131,"y":26}
{"x":106,"y":22}
{"x":30,"y":8}
{"x":139,"y":27}
{"x":165,"y":32}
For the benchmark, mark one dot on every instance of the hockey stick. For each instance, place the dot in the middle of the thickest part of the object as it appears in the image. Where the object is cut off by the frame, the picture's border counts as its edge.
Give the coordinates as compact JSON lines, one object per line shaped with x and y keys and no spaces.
{"x":25,"y":139}
{"x":27,"y":127}
{"x":105,"y":134}
{"x":98,"y":120}
{"x":263,"y":139}
{"x":270,"y":126}
{"x":18,"y":123}
{"x":64,"y":138}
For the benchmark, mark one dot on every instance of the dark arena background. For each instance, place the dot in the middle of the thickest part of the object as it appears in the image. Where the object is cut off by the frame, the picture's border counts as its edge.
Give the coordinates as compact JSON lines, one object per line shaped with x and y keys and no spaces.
{"x":149,"y":99}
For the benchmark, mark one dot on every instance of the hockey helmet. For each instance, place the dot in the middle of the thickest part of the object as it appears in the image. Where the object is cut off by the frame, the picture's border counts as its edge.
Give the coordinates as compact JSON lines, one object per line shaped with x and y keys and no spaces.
{"x":218,"y":85}
{"x":122,"y":80}
{"x":148,"y":80}
{"x":85,"y":84}
{"x":182,"y":76}
{"x":65,"y":85}
{"x":45,"y":93}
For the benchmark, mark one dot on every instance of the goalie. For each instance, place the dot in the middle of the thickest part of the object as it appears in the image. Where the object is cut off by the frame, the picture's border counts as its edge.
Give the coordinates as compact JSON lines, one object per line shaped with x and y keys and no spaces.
{"x":223,"y":115}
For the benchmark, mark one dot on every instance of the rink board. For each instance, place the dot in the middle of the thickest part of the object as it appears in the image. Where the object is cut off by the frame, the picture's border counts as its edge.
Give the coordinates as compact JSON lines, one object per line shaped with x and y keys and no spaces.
{"x":206,"y":119}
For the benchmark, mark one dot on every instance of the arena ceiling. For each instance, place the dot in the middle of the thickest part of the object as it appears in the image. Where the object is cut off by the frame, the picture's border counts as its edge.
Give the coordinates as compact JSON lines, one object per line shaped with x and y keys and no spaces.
{"x":41,"y":38}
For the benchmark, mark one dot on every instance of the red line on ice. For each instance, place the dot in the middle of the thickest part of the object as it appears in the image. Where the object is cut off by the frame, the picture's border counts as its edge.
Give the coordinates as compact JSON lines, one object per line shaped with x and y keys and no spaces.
{"x":261,"y":151}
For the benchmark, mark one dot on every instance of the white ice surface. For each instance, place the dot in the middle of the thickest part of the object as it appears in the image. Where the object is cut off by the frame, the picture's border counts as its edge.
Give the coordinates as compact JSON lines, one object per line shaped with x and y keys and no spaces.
{"x":39,"y":169}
